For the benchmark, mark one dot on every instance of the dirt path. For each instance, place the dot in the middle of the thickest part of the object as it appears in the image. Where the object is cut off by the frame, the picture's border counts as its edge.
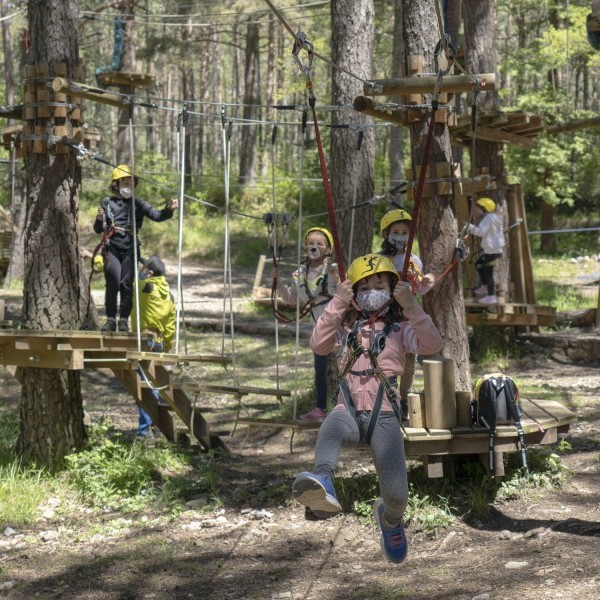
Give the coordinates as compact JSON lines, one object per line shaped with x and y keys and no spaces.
{"x":254,"y":546}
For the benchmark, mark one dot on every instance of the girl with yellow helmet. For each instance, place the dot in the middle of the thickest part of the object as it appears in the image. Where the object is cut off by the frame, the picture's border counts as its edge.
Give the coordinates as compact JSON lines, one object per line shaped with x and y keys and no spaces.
{"x":490,"y":228}
{"x":315,"y":282}
{"x":395,"y":227}
{"x":372,"y":321}
{"x":115,"y":220}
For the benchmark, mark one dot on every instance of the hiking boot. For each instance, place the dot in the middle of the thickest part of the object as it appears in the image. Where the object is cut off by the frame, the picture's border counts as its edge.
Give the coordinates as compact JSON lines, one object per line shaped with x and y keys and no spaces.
{"x":316,"y":414}
{"x":393,"y":539}
{"x":123,"y":326}
{"x":110,"y":325}
{"x":316,"y":492}
{"x":488,"y":300}
{"x":481,"y":290}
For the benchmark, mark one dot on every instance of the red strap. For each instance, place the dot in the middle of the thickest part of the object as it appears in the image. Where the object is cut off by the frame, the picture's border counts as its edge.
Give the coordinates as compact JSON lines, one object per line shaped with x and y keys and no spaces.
{"x":418,"y":194}
{"x":328,"y":193}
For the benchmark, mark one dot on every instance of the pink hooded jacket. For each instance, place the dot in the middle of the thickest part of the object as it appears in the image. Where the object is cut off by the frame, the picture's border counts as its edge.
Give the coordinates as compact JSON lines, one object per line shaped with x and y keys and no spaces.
{"x":418,"y":335}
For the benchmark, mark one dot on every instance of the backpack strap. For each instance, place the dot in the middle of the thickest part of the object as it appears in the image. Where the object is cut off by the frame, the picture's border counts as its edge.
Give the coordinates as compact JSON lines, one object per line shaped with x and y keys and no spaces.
{"x":512,"y":402}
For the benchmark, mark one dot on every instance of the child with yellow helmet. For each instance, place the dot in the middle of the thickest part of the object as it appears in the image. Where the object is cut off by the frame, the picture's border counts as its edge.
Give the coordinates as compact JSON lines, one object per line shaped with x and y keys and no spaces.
{"x":372,"y":321}
{"x":490,"y":228}
{"x":115,"y":220}
{"x":315,"y":282}
{"x":395,"y":227}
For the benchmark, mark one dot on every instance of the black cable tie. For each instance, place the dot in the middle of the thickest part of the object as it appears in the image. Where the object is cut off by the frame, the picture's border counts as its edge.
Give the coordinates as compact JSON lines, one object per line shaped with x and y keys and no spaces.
{"x":229,"y":130}
{"x":223,"y":120}
{"x":361,"y":137}
{"x":274,"y":134}
{"x":147,"y":104}
{"x":304,"y":120}
{"x":284,"y":106}
{"x":184,"y":114}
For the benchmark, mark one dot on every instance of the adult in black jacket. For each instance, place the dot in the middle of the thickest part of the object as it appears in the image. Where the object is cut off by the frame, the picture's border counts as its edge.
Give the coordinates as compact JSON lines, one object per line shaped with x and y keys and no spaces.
{"x":115,"y":219}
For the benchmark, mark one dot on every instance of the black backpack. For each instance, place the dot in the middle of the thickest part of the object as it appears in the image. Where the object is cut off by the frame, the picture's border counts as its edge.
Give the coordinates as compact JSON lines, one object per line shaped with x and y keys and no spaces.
{"x":497,"y":402}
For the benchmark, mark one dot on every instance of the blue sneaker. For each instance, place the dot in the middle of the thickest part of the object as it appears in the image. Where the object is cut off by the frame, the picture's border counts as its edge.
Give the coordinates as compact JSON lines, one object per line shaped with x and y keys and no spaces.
{"x":393,"y":540}
{"x":316,"y":492}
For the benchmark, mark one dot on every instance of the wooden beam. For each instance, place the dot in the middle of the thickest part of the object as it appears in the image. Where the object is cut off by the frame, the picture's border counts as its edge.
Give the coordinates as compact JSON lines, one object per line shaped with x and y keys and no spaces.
{"x":506,"y":137}
{"x":573,"y":126}
{"x":367,"y":107}
{"x":425,"y":85}
{"x":80,"y":90}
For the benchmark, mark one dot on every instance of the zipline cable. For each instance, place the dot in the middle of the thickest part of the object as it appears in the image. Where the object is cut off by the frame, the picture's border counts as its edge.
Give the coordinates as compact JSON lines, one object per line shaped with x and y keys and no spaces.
{"x":275,"y":246}
{"x":136,"y":257}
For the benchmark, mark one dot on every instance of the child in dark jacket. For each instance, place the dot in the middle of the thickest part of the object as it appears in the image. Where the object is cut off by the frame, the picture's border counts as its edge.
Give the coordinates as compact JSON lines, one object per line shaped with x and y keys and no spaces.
{"x":115,"y":220}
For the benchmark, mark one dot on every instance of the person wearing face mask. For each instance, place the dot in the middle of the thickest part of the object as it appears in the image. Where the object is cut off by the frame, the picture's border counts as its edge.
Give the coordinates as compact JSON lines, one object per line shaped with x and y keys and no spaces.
{"x":372,"y":322}
{"x":315,"y":283}
{"x":115,"y":220}
{"x":395,"y":227}
{"x":157,"y":321}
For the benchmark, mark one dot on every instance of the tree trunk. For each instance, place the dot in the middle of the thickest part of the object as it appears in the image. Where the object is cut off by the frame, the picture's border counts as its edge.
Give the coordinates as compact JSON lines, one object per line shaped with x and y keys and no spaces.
{"x":251,"y":99}
{"x":548,"y":240}
{"x":15,"y":267}
{"x":480,"y":41}
{"x":123,"y":139}
{"x":396,"y":134}
{"x":53,"y":298}
{"x":351,"y":170}
{"x":437,"y":224}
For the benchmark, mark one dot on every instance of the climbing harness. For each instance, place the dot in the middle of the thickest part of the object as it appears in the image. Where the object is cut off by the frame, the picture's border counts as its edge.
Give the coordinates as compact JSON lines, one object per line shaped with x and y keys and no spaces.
{"x":387,"y":385}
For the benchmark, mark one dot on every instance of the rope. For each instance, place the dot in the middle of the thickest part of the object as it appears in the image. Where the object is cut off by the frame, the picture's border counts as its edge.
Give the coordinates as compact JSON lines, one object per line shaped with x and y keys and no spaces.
{"x":580,"y":230}
{"x":227,"y":274}
{"x":134,"y":228}
{"x":181,"y":144}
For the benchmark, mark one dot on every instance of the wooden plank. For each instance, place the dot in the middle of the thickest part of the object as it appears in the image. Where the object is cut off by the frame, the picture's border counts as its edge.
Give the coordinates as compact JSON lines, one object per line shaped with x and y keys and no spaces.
{"x":42,"y":359}
{"x":232,"y":389}
{"x":279,"y":423}
{"x":412,"y":433}
{"x":505,"y":137}
{"x":426,"y":85}
{"x":560,"y":413}
{"x":163,"y":357}
{"x":434,"y":466}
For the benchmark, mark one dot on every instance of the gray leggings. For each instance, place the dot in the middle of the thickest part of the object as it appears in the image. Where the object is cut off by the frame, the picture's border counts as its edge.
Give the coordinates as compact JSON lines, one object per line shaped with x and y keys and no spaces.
{"x":387,"y":449}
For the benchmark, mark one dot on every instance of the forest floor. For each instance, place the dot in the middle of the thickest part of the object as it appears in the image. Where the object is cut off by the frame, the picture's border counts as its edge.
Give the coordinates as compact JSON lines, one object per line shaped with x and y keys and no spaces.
{"x":256,"y":546}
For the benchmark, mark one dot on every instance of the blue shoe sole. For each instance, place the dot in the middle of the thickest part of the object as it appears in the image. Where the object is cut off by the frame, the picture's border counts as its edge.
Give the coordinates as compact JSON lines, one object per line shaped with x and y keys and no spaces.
{"x":311,"y":493}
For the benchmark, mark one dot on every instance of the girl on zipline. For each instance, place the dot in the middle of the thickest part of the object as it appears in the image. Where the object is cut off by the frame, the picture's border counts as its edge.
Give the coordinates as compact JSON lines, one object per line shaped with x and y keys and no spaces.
{"x":372,"y":321}
{"x":395,"y":226}
{"x":315,"y":282}
{"x":490,"y":229}
{"x":115,"y":220}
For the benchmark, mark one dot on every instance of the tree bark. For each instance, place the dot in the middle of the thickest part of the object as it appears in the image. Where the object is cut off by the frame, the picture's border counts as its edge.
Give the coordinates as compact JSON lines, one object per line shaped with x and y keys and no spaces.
{"x":352,"y":170}
{"x":251,"y":99}
{"x":437,"y":225}
{"x":481,"y":53}
{"x":396,"y":155}
{"x":53,"y":298}
{"x":123,"y":138}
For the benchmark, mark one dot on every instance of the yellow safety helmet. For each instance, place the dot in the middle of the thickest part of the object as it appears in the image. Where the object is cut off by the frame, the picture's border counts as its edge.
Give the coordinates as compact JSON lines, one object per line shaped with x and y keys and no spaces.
{"x":98,"y":263}
{"x":122,"y":171}
{"x":370,"y":264}
{"x":322,"y":230}
{"x":393,"y":216}
{"x":487,"y":204}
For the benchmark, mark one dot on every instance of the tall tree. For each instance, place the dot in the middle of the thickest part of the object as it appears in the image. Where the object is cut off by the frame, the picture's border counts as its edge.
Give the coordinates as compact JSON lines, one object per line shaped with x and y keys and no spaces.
{"x":352,"y":169}
{"x":481,"y":54}
{"x":396,"y":134}
{"x":248,"y":153}
{"x":53,"y":295}
{"x":437,"y":225}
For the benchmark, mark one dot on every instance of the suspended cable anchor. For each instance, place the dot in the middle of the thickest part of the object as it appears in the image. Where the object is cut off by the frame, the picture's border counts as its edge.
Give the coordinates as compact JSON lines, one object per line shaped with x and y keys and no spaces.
{"x":449,"y":52}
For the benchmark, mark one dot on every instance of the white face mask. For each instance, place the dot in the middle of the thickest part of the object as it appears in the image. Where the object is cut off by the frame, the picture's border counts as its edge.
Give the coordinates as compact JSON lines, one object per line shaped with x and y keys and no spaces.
{"x":125,"y":192}
{"x":398,"y":240}
{"x":372,"y":300}
{"x":313,"y":252}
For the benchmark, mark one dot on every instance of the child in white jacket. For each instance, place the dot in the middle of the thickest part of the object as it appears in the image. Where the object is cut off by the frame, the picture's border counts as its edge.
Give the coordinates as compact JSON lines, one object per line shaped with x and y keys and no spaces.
{"x":490,"y":230}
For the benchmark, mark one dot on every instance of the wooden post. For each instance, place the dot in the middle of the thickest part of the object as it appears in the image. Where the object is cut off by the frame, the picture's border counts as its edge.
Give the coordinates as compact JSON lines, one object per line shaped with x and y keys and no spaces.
{"x":367,"y":106}
{"x":416,"y":411}
{"x":59,"y":84}
{"x":426,"y":84}
{"x":463,"y":409}
{"x":515,"y":248}
{"x":449,"y":394}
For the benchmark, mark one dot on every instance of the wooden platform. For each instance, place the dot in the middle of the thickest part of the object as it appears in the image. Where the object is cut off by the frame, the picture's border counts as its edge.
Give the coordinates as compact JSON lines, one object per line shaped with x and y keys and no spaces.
{"x":543,"y":421}
{"x":510,"y":314}
{"x":516,"y":128}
